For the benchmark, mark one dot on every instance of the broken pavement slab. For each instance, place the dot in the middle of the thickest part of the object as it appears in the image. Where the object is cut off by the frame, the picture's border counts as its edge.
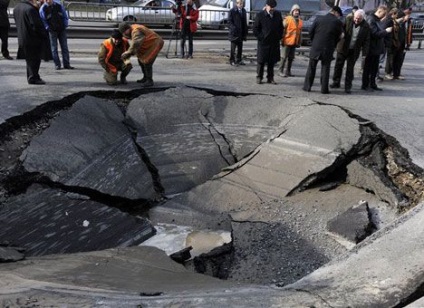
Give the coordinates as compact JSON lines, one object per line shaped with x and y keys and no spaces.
{"x":309,"y":143}
{"x":88,"y":146}
{"x":59,"y":224}
{"x":353,"y":225}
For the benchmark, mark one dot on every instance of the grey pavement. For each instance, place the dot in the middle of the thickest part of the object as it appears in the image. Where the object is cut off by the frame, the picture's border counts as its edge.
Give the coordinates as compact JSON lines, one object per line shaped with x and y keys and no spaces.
{"x":383,"y":271}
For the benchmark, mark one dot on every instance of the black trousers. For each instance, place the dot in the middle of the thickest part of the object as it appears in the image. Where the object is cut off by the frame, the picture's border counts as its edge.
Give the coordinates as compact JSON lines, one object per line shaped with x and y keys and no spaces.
{"x":186,"y":35}
{"x":310,"y":74}
{"x":350,"y":67}
{"x":370,"y":71}
{"x":4,"y":37}
{"x":269,"y":70}
{"x":239,"y":46}
{"x":398,"y":57}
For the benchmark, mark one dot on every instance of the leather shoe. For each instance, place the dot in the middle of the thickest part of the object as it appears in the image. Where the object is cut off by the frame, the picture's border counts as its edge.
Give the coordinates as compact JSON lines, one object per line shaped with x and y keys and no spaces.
{"x":348,"y":91}
{"x":232,"y":63}
{"x":241,"y":63}
{"x":37,"y":82}
{"x":306,"y":90}
{"x":334,"y":85}
{"x":271,"y":81}
{"x":69,"y":67}
{"x":364,"y":88}
{"x":8,"y":57}
{"x":375,"y":88}
{"x":325,"y":92}
{"x":258,"y":80}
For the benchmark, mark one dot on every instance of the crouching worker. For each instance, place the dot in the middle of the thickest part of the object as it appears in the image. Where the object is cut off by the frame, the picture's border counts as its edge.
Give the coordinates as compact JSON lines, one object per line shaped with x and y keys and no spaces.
{"x":145,"y":44}
{"x":110,"y":58}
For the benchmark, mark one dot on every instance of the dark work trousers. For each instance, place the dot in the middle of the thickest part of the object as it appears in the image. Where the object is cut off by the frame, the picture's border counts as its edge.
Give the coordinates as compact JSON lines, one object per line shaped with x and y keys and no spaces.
{"x":33,"y":61}
{"x":370,"y":71}
{"x":269,"y":71}
{"x":186,"y":35}
{"x":239,"y":46}
{"x":350,"y":67}
{"x":389,"y":61}
{"x":4,"y":37}
{"x":398,"y":55}
{"x":310,"y":74}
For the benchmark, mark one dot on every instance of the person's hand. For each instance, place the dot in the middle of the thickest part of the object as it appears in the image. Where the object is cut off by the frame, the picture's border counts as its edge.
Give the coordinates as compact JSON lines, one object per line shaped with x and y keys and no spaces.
{"x":125,"y":55}
{"x":389,"y":29}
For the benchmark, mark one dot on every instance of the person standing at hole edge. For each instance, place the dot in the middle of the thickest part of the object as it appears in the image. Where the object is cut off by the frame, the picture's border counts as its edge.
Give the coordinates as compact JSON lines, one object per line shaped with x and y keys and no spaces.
{"x":237,"y":26}
{"x":146,"y":45}
{"x":325,"y":32}
{"x":4,"y":28}
{"x":55,"y":20}
{"x":268,"y":29}
{"x":188,"y":25}
{"x":31,"y":36}
{"x":292,"y":38}
{"x":110,"y":58}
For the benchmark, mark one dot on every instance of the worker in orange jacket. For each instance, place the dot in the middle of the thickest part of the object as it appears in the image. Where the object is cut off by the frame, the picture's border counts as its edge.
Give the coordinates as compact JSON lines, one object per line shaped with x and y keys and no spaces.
{"x":291,"y":39}
{"x":110,"y":58}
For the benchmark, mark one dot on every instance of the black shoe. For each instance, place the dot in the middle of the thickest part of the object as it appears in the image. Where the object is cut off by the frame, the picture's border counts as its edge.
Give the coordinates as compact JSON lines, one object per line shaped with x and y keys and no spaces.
{"x":364,"y":88}
{"x":335,"y":85}
{"x":124,"y":80}
{"x":142,"y":80}
{"x":37,"y":82}
{"x":148,"y":83}
{"x":57,"y":68}
{"x":271,"y":81}
{"x":306,"y":90}
{"x":375,"y":88}
{"x":348,"y":91}
{"x":258,"y":80}
{"x":8,"y":57}
{"x":68,"y":67}
{"x":241,"y":63}
{"x":232,"y":63}
{"x":325,"y":92}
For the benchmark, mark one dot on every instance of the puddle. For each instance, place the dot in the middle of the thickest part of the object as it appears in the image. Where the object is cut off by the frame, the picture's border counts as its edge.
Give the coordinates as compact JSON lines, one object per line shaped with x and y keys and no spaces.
{"x":172,"y":238}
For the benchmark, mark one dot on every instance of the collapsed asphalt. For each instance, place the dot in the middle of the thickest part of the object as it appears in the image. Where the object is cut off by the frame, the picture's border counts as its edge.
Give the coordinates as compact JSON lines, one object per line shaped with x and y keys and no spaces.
{"x":274,"y":236}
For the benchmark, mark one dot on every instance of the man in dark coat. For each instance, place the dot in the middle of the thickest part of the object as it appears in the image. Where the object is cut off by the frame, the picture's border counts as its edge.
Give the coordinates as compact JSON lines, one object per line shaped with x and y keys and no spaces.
{"x":372,"y":60}
{"x":325,"y":32}
{"x":356,"y":39}
{"x":268,"y":29}
{"x":4,"y":28}
{"x":237,"y":26}
{"x":31,"y":36}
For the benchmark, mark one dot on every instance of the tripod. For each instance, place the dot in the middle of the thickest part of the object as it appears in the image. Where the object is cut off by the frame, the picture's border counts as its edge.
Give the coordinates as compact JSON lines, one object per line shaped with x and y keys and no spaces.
{"x":175,"y":35}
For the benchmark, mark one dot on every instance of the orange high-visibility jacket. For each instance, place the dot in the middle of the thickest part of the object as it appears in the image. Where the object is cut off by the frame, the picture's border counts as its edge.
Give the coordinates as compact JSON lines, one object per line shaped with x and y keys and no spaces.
{"x":110,"y":47}
{"x":292,"y":32}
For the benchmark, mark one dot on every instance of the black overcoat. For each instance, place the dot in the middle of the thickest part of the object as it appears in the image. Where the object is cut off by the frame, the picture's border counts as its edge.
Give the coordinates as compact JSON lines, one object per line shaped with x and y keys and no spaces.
{"x":30,"y":28}
{"x":377,"y":35}
{"x":362,"y":40}
{"x":237,"y":25}
{"x":325,"y":32}
{"x":268,"y":32}
{"x":4,"y":17}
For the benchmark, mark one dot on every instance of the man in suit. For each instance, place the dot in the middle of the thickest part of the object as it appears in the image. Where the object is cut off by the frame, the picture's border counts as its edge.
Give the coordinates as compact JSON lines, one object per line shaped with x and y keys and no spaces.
{"x":325,"y":32}
{"x":372,"y":60}
{"x":237,"y":26}
{"x":356,"y":39}
{"x":268,"y":29}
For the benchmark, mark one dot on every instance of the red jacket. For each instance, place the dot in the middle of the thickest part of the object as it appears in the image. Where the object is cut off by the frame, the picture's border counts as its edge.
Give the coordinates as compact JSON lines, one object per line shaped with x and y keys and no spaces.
{"x":193,"y":13}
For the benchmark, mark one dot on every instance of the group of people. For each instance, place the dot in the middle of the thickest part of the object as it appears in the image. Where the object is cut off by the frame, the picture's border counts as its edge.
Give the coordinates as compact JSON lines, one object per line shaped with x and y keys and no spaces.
{"x":383,"y":33}
{"x":38,"y":23}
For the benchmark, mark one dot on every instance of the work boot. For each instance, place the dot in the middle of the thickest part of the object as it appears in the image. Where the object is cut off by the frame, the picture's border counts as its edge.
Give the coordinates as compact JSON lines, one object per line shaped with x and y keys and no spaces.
{"x":281,"y":68}
{"x":149,"y":77}
{"x":288,"y":71}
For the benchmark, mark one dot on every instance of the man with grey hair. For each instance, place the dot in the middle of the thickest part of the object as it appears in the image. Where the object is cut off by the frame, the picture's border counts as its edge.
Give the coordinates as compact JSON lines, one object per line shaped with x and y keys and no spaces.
{"x":356,"y":39}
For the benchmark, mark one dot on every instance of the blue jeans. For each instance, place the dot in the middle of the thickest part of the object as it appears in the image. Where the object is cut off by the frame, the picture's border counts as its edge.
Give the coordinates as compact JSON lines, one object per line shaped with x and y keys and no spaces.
{"x":63,"y":41}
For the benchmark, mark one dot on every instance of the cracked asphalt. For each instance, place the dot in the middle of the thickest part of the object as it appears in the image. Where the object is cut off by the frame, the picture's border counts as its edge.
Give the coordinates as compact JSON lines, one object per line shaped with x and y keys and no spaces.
{"x":397,"y":112}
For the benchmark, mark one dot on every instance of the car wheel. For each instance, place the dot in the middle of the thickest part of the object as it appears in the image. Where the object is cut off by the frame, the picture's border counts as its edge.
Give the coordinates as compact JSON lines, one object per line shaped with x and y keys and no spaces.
{"x":130,"y":18}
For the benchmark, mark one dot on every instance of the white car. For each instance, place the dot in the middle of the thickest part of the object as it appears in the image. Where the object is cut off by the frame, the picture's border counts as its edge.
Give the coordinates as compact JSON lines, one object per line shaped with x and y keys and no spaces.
{"x":214,"y":14}
{"x":149,"y":12}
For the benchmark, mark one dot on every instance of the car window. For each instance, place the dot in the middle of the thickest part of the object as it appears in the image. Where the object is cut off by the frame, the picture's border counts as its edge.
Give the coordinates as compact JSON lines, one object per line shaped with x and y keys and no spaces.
{"x":221,"y":3}
{"x":167,"y":3}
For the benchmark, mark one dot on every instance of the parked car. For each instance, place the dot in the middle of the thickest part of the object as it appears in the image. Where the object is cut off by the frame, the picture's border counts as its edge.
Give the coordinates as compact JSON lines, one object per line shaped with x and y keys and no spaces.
{"x":214,"y":14}
{"x":417,"y":22}
{"x":148,"y":12}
